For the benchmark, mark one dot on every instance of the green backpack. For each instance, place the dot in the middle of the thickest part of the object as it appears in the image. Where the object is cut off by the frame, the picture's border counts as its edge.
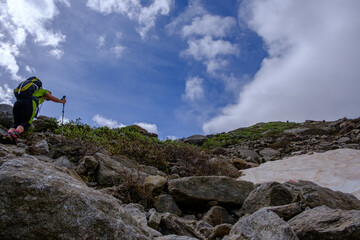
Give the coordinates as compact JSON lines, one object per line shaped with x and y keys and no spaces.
{"x":27,"y":88}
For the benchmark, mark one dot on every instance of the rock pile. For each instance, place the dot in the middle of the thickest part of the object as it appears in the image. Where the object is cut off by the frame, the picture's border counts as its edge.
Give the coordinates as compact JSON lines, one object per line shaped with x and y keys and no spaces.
{"x":50,"y":189}
{"x":42,"y":197}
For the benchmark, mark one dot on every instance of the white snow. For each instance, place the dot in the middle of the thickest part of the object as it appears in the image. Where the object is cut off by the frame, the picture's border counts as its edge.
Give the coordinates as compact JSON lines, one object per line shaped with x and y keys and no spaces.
{"x":338,"y":170}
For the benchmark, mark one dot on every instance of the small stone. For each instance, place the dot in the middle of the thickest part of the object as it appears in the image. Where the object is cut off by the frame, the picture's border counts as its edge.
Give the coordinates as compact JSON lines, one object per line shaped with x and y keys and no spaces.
{"x":154,"y":219}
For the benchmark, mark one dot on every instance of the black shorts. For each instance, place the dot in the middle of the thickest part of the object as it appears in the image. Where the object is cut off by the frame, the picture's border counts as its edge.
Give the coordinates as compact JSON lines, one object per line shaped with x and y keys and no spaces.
{"x":24,"y":112}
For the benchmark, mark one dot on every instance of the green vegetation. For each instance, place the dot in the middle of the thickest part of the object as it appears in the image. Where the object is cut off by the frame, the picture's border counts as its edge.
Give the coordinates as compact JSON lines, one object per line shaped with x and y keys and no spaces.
{"x":131,"y":142}
{"x":251,"y":133}
{"x":134,"y":143}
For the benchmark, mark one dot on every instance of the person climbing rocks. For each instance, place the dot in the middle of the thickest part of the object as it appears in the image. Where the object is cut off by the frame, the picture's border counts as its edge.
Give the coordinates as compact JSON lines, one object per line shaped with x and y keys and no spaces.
{"x":29,"y":96}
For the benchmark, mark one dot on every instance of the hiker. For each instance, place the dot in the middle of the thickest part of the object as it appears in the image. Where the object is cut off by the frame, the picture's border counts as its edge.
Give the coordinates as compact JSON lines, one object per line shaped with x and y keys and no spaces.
{"x":29,"y":95}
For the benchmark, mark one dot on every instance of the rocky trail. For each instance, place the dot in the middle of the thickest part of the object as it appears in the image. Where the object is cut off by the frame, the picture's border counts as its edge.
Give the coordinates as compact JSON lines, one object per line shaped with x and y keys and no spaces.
{"x":54,"y":188}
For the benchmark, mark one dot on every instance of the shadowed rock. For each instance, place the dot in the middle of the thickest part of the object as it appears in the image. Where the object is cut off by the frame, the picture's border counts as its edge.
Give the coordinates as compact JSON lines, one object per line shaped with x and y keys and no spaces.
{"x":326,"y":223}
{"x":40,"y":201}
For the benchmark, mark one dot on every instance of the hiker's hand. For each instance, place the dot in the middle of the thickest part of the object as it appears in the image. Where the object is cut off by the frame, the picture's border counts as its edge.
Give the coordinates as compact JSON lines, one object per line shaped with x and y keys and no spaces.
{"x":63,"y":101}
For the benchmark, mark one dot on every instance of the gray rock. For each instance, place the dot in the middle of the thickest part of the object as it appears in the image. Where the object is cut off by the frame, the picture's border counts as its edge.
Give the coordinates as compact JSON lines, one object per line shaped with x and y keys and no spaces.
{"x":195,"y":139}
{"x":269,"y":154}
{"x":136,"y":211}
{"x":220,"y":231}
{"x":43,"y":123}
{"x":288,"y":211}
{"x":3,"y":131}
{"x":198,"y":191}
{"x":242,"y":164}
{"x":153,"y":185}
{"x":313,"y":196}
{"x":40,"y":148}
{"x":87,"y":165}
{"x":154,"y":219}
{"x":267,"y":194}
{"x":217,"y":215}
{"x":6,"y":115}
{"x":63,"y":162}
{"x":44,"y":197}
{"x":19,"y":151}
{"x":175,"y":237}
{"x":343,"y":140}
{"x":22,"y":145}
{"x":45,"y":158}
{"x":151,"y":170}
{"x":326,"y":223}
{"x":165,"y":203}
{"x":262,"y":225}
{"x":250,"y":155}
{"x":172,"y":224}
{"x":204,"y":228}
{"x":112,"y":172}
{"x":223,"y":167}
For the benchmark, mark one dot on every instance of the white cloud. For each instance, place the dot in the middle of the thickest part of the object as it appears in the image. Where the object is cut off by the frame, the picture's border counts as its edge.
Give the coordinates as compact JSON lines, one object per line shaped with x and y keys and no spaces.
{"x":8,"y":55}
{"x":148,"y":126}
{"x":206,"y":36}
{"x":6,"y":94}
{"x":101,"y":41}
{"x":101,"y":121}
{"x":194,"y":9}
{"x":57,"y":53}
{"x":207,"y":48}
{"x":32,"y":17}
{"x":171,"y":138}
{"x":30,"y":69}
{"x":209,"y":25}
{"x":211,"y":52}
{"x":193,"y":89}
{"x":312,"y":70}
{"x":22,"y":19}
{"x":118,"y":50}
{"x":145,"y":16}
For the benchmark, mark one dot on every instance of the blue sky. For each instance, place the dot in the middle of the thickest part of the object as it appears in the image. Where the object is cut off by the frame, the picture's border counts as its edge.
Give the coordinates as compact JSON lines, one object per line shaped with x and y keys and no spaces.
{"x":179,"y":68}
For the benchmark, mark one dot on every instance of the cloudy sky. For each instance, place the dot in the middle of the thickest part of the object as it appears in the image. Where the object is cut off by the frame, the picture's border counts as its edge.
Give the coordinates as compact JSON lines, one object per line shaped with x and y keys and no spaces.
{"x":179,"y":68}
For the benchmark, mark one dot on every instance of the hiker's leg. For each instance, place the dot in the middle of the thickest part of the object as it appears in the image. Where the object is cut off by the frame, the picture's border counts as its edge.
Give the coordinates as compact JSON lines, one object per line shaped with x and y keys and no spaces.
{"x":19,"y":110}
{"x":24,"y":113}
{"x":27,"y":116}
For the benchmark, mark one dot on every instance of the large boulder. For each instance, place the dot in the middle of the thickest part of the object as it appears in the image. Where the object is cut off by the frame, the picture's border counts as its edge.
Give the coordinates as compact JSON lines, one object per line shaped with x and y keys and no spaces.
{"x":217,"y":215}
{"x":172,"y":224}
{"x":198,"y":191}
{"x":41,"y":201}
{"x":6,"y":115}
{"x":154,"y":185}
{"x":195,"y":139}
{"x":269,"y":154}
{"x":175,"y":237}
{"x":165,"y":204}
{"x":267,"y":194}
{"x":43,"y":123}
{"x":326,"y":223}
{"x":262,"y":225}
{"x":111,"y":171}
{"x":223,"y":167}
{"x":287,"y":211}
{"x":314,"y":195}
{"x":250,"y":155}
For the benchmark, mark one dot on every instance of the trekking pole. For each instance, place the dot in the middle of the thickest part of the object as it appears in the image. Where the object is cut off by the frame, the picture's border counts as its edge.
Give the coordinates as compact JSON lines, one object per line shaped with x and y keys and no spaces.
{"x":63,"y":113}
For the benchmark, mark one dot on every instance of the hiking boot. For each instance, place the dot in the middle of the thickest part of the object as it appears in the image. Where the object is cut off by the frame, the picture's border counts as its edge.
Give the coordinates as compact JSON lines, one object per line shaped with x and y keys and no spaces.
{"x":10,"y":138}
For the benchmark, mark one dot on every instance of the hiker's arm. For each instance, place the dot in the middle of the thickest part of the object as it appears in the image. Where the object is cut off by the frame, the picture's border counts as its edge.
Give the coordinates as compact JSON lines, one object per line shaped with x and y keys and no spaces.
{"x":48,"y":97}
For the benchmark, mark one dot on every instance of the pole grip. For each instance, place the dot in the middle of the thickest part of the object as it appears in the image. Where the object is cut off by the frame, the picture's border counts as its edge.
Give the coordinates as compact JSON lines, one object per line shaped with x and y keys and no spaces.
{"x":63,"y":97}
